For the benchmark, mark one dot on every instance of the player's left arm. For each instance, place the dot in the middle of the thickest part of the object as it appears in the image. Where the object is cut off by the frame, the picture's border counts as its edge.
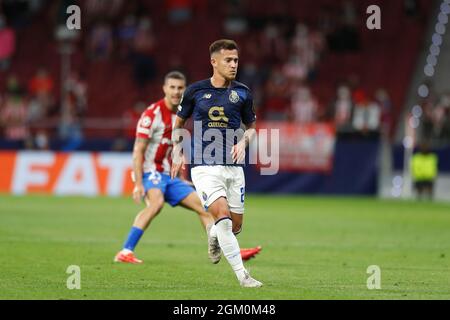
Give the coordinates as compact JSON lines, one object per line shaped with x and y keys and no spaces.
{"x":177,"y":154}
{"x":238,"y":150}
{"x":185,"y":110}
{"x":248,"y":117}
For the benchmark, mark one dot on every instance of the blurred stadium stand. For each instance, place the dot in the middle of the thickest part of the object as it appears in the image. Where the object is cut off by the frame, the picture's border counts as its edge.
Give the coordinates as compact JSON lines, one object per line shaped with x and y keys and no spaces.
{"x":113,"y":68}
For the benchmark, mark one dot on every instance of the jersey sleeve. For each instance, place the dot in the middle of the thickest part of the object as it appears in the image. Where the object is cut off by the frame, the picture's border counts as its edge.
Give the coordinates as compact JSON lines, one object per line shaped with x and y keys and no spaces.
{"x":248,"y":114}
{"x":144,"y":126}
{"x":186,"y":106}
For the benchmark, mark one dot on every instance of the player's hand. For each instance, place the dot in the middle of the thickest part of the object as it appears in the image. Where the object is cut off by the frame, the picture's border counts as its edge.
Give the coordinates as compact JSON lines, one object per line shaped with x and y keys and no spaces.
{"x":176,"y":168}
{"x":138,"y":193}
{"x":177,"y":163}
{"x":238,"y":152}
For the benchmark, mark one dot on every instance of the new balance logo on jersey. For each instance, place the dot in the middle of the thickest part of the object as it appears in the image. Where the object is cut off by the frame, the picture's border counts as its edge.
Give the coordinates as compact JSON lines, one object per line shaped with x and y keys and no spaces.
{"x":207,"y":96}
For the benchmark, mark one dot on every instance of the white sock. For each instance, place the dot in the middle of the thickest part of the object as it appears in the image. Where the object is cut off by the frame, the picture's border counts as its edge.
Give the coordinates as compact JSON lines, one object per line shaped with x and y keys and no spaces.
{"x":213,"y":231}
{"x":126,"y":251}
{"x":230,"y":247}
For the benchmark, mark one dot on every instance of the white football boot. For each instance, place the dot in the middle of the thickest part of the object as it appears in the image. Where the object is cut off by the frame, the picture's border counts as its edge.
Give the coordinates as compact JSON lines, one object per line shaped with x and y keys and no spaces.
{"x":249,"y":282}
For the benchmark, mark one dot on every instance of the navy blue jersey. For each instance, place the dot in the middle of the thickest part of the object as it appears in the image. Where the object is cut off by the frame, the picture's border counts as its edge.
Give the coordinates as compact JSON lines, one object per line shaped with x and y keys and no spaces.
{"x":219,"y":113}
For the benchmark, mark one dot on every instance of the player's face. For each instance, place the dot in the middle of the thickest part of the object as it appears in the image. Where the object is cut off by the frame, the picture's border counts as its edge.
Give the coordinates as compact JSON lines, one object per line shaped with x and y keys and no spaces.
{"x":173,"y":90}
{"x":225,"y":63}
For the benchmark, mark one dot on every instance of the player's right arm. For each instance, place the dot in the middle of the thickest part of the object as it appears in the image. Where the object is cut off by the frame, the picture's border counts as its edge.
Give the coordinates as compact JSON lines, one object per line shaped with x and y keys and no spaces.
{"x":140,"y":145}
{"x":185,"y":110}
{"x":177,"y":154}
{"x":143,"y":135}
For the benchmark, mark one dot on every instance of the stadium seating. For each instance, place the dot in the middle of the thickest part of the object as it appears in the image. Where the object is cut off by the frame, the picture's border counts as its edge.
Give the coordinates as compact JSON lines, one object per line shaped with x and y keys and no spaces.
{"x":387,"y":58}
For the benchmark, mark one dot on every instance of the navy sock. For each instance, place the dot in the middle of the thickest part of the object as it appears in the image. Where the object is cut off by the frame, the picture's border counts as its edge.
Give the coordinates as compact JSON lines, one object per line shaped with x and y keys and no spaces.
{"x":133,"y":238}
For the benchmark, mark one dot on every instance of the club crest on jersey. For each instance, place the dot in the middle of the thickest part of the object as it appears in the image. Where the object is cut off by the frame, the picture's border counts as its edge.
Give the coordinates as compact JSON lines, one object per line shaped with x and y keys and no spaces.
{"x":234,"y":97}
{"x":146,"y":121}
{"x":204,"y":196}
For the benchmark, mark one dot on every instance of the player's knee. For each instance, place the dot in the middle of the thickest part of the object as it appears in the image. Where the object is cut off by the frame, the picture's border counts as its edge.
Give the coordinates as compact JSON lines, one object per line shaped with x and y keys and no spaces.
{"x":154,"y":208}
{"x":157,"y":203}
{"x":158,"y":207}
{"x":223,"y":213}
{"x":149,"y":213}
{"x":237,"y":229}
{"x":219,"y":210}
{"x":223,"y":210}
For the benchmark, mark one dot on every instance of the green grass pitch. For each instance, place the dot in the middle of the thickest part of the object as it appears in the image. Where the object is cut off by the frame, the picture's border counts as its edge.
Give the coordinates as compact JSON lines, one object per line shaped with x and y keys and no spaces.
{"x":313,"y":248}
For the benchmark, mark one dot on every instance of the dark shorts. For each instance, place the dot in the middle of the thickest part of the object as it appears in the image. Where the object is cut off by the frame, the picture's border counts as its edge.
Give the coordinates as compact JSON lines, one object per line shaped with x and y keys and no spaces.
{"x":419,"y":185}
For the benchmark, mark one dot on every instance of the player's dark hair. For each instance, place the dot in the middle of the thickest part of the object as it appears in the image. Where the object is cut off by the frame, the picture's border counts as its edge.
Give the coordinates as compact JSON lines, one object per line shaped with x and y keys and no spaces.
{"x":174,"y":75}
{"x":225,"y":44}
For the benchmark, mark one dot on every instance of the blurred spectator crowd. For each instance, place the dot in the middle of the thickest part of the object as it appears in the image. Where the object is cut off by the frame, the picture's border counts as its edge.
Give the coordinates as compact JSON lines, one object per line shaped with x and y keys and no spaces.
{"x":30,"y":113}
{"x":435,"y":119}
{"x":281,"y":60}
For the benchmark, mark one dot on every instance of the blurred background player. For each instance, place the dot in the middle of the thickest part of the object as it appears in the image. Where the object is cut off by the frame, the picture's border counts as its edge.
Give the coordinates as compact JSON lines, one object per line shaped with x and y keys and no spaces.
{"x":222,"y":104}
{"x":424,"y":167}
{"x":151,"y":166}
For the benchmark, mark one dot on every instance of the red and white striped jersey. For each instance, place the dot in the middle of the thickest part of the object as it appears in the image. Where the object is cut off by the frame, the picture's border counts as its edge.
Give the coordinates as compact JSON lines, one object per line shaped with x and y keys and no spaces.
{"x":156,"y":124}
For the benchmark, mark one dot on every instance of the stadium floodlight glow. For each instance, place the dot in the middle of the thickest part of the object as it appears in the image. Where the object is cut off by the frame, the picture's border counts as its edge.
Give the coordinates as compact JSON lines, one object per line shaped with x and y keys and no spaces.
{"x":397,"y":182}
{"x":432,"y":60}
{"x":429,"y":70}
{"x":408,"y":142}
{"x":397,"y":185}
{"x":443,"y":18}
{"x":435,"y":50}
{"x":440,"y":28}
{"x":414,"y":122}
{"x":445,"y":7}
{"x":437,"y":39}
{"x":396,"y":192}
{"x":423,"y":91}
{"x":417,"y":111}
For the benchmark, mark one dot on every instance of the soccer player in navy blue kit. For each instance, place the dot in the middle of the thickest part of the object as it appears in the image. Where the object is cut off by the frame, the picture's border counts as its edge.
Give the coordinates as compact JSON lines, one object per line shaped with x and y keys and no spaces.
{"x":151,"y":169}
{"x":219,"y":105}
